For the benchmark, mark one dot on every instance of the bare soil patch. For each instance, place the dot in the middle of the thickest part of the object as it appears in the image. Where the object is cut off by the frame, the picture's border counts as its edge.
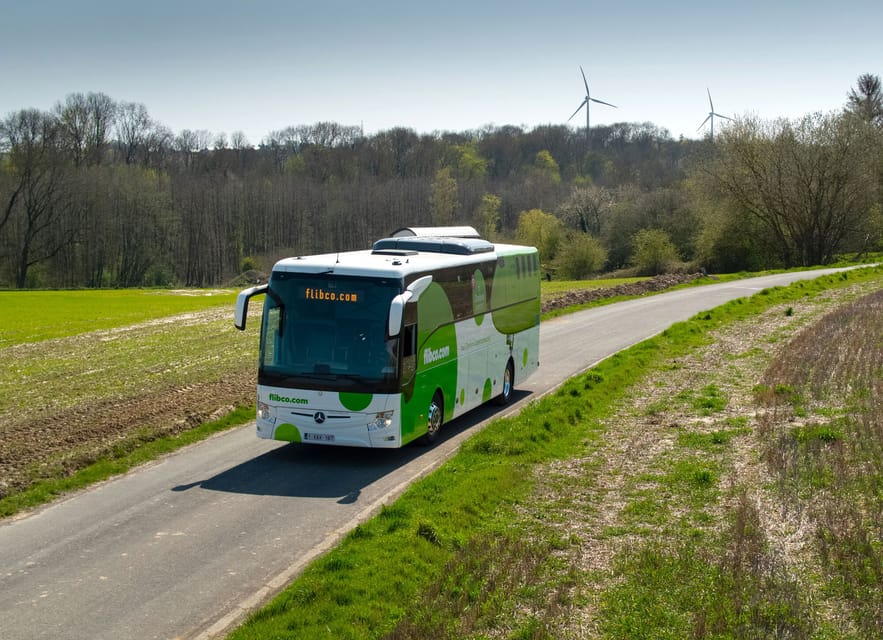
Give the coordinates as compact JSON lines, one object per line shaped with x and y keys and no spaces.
{"x":583,"y":296}
{"x":69,"y":401}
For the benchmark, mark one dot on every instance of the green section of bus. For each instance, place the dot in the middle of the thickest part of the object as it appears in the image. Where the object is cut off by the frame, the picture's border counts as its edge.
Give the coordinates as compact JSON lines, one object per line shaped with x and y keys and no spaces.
{"x":437,"y":361}
{"x":515,"y":295}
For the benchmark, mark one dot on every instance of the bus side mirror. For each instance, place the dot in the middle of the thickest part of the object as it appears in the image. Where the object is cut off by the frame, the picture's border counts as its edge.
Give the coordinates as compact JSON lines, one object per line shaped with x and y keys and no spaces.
{"x":397,"y":306}
{"x":241,"y":311}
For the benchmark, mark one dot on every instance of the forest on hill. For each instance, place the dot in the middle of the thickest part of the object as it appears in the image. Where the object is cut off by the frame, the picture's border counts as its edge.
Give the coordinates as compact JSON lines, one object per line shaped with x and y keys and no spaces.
{"x":96,"y":193}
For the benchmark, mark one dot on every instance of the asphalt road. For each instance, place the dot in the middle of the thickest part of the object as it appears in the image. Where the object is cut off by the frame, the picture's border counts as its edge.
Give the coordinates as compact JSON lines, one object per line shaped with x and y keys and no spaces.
{"x":185,"y":546}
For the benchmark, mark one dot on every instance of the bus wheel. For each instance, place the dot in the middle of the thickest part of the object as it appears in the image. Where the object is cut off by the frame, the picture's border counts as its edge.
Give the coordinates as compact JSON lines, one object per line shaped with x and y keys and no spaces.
{"x":436,"y":416}
{"x":508,"y":385}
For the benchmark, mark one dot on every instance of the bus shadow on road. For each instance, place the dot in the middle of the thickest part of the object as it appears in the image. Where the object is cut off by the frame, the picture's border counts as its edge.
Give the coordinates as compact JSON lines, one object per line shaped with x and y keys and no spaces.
{"x":308,"y":471}
{"x":320,"y":471}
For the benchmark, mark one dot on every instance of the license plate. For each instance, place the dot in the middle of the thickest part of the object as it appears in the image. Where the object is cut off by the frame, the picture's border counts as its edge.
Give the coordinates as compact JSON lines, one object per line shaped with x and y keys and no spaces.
{"x":319,"y":437}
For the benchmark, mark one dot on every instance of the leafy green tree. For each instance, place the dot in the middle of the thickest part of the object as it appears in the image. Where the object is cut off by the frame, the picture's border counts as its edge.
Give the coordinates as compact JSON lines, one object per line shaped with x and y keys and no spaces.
{"x":728,"y":243}
{"x":723,"y":243}
{"x":443,"y":198}
{"x":541,"y":230}
{"x":545,"y":164}
{"x":488,"y":215}
{"x":579,"y":257}
{"x":469,"y":163}
{"x":654,"y":252}
{"x":666,"y":208}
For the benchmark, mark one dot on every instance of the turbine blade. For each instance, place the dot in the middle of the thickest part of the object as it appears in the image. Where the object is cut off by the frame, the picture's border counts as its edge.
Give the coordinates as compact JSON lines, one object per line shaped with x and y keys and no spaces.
{"x":602,"y":102}
{"x":585,"y":82}
{"x":703,"y":122}
{"x":581,"y":105}
{"x":710,"y":103}
{"x":720,"y":115}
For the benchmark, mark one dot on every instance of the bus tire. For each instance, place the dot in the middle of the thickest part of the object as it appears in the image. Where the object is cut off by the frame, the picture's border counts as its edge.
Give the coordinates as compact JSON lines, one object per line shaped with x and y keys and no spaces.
{"x":435,"y":418}
{"x":508,"y":385}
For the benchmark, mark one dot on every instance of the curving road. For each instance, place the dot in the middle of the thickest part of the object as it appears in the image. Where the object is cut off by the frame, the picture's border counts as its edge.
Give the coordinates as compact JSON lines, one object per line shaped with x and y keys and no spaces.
{"x":185,"y":546}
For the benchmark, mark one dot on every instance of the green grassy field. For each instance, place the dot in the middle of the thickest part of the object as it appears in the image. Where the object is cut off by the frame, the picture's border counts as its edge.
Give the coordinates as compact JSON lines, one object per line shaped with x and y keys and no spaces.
{"x":31,"y":316}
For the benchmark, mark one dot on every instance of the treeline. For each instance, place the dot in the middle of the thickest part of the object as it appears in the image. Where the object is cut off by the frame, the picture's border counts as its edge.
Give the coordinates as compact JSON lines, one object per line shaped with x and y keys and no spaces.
{"x":96,"y":193}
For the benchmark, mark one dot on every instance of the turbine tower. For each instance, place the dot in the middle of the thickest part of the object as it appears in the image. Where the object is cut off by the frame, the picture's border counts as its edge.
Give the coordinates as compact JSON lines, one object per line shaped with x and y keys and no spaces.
{"x":711,"y":115}
{"x":585,"y":103}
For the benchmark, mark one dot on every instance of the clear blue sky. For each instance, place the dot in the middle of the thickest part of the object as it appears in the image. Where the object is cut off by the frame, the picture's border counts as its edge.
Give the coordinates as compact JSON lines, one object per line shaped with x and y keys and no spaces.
{"x":234,"y":65}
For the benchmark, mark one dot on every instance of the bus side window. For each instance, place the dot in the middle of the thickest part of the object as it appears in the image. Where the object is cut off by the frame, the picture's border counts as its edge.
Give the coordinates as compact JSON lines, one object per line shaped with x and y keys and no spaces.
{"x":409,"y":340}
{"x":271,"y":337}
{"x":409,"y":352}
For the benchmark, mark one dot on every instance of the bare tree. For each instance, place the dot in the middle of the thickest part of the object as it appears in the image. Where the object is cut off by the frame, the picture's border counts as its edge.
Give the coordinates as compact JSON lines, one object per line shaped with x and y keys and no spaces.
{"x":38,"y":203}
{"x":238,"y":141}
{"x":327,"y":134}
{"x":102,"y":114}
{"x":132,"y":129}
{"x":73,"y":125}
{"x":157,"y":145}
{"x":190,"y":142}
{"x":586,"y":208}
{"x":85,"y":122}
{"x":810,"y":184}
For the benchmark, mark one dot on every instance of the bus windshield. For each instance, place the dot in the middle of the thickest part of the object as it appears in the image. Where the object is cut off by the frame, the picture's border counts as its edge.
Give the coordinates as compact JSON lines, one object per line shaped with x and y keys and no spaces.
{"x":322,"y":331}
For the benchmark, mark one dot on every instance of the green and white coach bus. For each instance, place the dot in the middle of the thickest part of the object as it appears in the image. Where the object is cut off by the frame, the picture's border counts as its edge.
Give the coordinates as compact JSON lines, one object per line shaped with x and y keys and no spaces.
{"x":380,"y":347}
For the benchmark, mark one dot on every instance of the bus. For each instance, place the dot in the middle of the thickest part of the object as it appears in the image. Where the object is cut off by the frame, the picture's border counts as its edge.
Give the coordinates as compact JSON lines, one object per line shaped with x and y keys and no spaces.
{"x":381,"y":347}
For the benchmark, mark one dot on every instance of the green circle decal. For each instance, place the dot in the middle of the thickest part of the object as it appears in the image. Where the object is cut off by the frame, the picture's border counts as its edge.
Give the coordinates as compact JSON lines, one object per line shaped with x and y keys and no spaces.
{"x":355,"y":401}
{"x":287,"y":432}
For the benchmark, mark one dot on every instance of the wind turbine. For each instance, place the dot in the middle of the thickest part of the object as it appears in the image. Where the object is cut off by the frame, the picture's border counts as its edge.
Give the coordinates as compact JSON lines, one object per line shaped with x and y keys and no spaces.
{"x":711,"y":115}
{"x":585,"y":103}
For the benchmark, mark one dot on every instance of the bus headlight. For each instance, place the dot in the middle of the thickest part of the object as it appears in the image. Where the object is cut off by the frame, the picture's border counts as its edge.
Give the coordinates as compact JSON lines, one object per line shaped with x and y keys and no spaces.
{"x":381,"y":421}
{"x":264,"y":412}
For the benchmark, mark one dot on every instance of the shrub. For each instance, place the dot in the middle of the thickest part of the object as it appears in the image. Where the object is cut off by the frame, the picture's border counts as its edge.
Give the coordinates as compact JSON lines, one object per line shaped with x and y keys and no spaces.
{"x":579,"y":257}
{"x":654,"y":252}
